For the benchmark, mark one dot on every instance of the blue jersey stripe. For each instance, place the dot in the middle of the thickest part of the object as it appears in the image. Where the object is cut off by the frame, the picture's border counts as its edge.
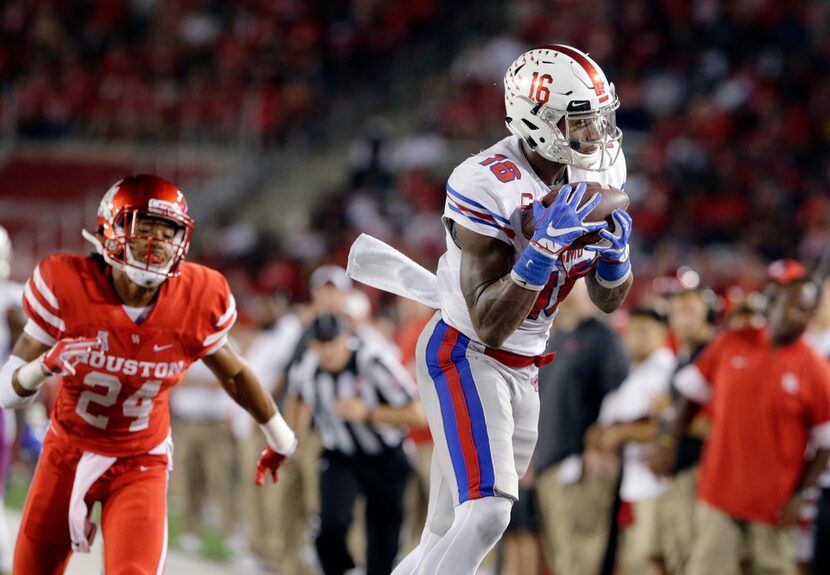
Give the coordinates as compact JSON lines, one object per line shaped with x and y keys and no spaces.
{"x":464,"y":198}
{"x":447,"y":410}
{"x":478,"y":421}
{"x":473,"y":218}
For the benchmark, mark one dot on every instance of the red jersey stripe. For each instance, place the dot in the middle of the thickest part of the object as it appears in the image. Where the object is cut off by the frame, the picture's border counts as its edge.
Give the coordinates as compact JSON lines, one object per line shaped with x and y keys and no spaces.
{"x":462,"y":415}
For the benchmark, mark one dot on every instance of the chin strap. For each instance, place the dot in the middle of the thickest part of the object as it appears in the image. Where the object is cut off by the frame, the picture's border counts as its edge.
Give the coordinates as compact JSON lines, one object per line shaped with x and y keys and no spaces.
{"x":99,"y":247}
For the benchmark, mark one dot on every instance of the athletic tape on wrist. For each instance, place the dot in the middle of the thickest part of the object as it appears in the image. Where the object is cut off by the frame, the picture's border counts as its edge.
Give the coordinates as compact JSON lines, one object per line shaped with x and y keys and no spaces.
{"x":31,"y":376}
{"x":533,"y":269}
{"x":612,"y":274}
{"x":8,"y":396}
{"x":280,"y":437}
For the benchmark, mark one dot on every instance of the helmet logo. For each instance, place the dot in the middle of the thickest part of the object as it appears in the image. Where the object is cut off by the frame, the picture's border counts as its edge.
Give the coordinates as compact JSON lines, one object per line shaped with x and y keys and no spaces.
{"x":156,"y":205}
{"x":539,"y":85}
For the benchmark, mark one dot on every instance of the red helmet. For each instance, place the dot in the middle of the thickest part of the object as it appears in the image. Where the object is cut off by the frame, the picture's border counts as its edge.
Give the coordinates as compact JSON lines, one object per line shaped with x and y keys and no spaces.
{"x":128,"y":203}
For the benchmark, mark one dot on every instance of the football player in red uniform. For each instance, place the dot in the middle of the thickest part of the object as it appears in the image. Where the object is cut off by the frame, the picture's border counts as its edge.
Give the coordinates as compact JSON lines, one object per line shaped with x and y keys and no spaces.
{"x":119,"y":328}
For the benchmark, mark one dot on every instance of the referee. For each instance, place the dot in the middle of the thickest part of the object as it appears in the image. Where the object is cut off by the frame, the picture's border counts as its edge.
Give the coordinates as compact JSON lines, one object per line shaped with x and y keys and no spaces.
{"x":360,"y":397}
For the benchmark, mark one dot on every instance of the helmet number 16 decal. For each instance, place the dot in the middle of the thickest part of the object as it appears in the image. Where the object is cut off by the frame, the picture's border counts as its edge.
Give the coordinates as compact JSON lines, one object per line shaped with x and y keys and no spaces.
{"x":539,"y":85}
{"x":504,"y":170}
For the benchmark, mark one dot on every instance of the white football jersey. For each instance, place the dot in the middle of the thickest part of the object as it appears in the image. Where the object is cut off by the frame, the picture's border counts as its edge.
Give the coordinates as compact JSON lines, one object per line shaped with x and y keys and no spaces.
{"x":485,"y":194}
{"x":11,"y":297}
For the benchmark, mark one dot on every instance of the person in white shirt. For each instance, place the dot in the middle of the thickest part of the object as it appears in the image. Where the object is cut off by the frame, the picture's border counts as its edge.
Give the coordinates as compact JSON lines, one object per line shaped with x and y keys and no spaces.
{"x":625,"y":423}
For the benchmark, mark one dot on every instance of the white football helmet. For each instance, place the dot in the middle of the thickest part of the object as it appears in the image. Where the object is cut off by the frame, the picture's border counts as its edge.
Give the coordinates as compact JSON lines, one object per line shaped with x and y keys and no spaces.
{"x":559,"y":101}
{"x":5,"y":254}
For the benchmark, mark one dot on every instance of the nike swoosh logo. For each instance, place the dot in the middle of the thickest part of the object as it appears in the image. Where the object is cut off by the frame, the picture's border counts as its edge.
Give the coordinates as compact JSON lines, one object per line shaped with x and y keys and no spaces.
{"x":162,"y":347}
{"x":552,"y":231}
{"x":143,"y":468}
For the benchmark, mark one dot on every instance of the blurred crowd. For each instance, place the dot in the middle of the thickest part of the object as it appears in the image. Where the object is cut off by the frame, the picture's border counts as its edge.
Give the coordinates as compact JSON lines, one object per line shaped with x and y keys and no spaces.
{"x":724,"y":110}
{"x":724,"y":107}
{"x":191,"y":70}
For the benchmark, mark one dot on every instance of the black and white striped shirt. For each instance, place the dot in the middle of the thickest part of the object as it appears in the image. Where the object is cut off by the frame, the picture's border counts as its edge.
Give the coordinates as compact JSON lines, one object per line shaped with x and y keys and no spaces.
{"x":373,"y":375}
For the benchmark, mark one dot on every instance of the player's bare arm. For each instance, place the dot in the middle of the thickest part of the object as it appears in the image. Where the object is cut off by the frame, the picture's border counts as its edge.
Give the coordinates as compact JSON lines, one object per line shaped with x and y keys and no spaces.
{"x":497,"y":304}
{"x":15,"y":319}
{"x":608,"y":299}
{"x":237,"y":379}
{"x":240,"y":383}
{"x":611,"y":280}
{"x":499,"y":290}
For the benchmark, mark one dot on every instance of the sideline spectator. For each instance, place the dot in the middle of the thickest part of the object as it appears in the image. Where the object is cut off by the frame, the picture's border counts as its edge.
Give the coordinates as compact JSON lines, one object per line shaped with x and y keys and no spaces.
{"x":590,"y":362}
{"x":279,"y":516}
{"x":818,"y":335}
{"x":692,"y":315}
{"x":770,"y":394}
{"x":625,"y":422}
{"x":296,"y":499}
{"x":203,"y":475}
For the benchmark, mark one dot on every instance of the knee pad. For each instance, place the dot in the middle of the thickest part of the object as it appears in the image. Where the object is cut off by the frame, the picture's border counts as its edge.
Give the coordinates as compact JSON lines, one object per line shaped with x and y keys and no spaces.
{"x":491,"y":516}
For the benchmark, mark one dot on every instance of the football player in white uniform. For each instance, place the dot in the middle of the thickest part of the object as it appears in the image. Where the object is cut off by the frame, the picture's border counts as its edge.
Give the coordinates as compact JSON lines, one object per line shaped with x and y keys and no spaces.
{"x":479,"y":356}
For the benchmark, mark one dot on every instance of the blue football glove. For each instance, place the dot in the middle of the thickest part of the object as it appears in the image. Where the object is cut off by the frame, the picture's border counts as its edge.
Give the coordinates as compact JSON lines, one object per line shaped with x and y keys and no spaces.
{"x":614,"y":265}
{"x":557,"y":227}
{"x":562,"y":223}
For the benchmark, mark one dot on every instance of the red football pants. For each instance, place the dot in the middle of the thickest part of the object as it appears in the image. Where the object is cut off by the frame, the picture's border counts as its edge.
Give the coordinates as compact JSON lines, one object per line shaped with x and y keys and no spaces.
{"x":133,"y":494}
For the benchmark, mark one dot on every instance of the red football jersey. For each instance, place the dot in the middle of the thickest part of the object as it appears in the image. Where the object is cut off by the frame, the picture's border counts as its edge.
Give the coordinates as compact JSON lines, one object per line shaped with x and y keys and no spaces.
{"x":117,"y":402}
{"x":766,"y":402}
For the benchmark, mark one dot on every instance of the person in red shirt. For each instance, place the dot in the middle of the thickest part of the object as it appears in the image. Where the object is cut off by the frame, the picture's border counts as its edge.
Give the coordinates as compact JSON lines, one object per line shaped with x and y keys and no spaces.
{"x":770,"y":394}
{"x":120,"y":328}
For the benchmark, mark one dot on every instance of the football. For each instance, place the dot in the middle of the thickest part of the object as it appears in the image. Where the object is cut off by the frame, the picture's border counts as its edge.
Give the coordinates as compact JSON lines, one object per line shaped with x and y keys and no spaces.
{"x":612,"y":199}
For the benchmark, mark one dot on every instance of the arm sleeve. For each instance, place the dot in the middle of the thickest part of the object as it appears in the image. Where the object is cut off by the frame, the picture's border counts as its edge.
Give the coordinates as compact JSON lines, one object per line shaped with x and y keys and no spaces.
{"x":471,"y":204}
{"x":42,"y":305}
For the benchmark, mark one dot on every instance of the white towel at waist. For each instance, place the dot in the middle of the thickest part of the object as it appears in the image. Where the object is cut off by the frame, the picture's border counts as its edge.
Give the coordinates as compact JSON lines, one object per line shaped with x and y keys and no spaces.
{"x":90,"y":468}
{"x":381,"y":266}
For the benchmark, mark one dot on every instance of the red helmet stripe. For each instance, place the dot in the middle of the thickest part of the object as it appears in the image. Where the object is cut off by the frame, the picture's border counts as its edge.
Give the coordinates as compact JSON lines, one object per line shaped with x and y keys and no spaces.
{"x":586,"y":64}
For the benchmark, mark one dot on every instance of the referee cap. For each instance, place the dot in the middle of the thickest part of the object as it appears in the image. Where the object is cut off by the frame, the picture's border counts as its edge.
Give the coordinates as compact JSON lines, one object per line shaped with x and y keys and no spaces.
{"x":326,"y":327}
{"x":330,"y":274}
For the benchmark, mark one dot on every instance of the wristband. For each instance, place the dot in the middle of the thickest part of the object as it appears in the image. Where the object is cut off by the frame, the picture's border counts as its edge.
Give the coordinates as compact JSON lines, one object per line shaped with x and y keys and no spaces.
{"x":612,"y":274}
{"x":533,"y":269}
{"x":280,"y":437}
{"x":8,"y":394}
{"x":30,"y":377}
